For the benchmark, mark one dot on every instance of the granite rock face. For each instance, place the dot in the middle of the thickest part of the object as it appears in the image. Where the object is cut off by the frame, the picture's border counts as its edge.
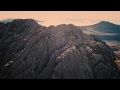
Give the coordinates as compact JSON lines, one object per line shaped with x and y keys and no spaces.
{"x":31,"y":51}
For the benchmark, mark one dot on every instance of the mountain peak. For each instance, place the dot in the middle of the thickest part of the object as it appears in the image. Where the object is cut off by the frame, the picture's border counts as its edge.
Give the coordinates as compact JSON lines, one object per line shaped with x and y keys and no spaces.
{"x":26,"y":20}
{"x":106,"y":23}
{"x":66,"y":25}
{"x":9,"y":20}
{"x":29,"y":22}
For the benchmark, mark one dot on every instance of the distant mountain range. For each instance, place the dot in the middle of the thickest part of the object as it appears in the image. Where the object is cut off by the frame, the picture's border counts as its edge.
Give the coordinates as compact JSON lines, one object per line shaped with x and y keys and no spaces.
{"x":104,"y":30}
{"x":6,"y":20}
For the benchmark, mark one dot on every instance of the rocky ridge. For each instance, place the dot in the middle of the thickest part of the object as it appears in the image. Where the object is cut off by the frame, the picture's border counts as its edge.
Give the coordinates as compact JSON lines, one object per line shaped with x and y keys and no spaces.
{"x":32,"y":51}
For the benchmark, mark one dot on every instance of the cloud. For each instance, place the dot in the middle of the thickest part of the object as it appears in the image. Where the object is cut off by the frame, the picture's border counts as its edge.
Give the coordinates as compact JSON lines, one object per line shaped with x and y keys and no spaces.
{"x":107,"y":34}
{"x":80,"y":20}
{"x":90,"y":30}
{"x":39,"y":21}
{"x":112,"y":43}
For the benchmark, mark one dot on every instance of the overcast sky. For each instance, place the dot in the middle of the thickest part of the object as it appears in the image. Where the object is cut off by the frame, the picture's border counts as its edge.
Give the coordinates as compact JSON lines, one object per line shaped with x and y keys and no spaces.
{"x":79,"y":18}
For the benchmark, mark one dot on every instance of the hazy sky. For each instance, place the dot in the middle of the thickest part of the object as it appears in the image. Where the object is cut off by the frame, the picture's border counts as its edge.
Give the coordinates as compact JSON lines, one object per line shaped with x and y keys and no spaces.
{"x":78,"y":18}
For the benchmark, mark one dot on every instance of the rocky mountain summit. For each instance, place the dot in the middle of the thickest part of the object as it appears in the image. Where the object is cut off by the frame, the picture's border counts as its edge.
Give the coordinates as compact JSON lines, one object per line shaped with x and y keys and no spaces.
{"x":32,"y":51}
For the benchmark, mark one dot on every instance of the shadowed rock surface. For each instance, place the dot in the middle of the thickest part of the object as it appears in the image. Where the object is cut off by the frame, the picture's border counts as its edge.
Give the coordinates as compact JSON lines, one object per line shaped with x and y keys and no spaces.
{"x":31,"y":51}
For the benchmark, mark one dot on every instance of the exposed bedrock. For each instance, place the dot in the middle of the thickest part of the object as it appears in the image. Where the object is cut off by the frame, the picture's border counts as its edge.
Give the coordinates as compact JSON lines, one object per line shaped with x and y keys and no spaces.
{"x":32,"y":51}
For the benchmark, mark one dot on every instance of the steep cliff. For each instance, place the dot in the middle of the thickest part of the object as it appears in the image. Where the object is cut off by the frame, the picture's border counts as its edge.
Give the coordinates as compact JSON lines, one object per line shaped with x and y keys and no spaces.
{"x":31,"y":51}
